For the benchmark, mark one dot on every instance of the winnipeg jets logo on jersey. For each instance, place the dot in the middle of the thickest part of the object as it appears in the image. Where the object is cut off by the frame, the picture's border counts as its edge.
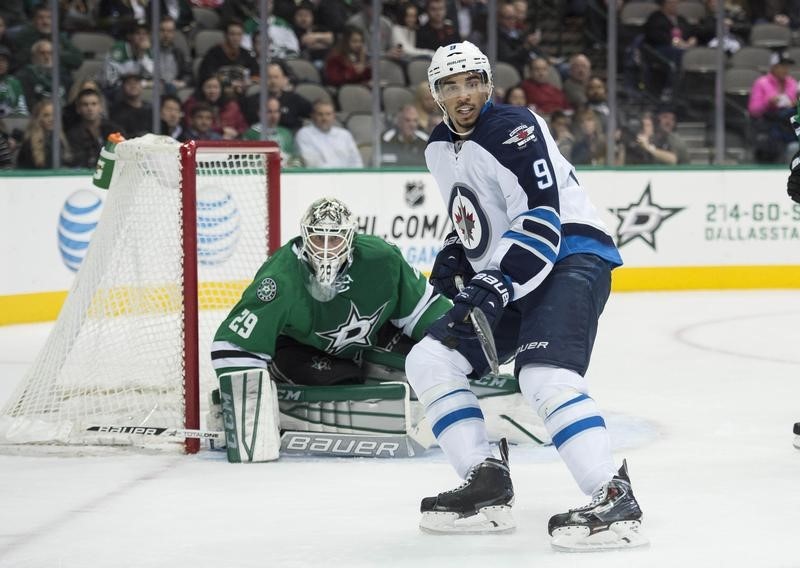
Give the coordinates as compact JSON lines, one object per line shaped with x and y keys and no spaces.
{"x":353,"y":332}
{"x":521,"y":135}
{"x":469,"y":220}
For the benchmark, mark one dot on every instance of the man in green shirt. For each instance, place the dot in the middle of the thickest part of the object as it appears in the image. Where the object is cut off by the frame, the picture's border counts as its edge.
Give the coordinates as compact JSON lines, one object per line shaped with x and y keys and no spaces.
{"x":274,"y":132}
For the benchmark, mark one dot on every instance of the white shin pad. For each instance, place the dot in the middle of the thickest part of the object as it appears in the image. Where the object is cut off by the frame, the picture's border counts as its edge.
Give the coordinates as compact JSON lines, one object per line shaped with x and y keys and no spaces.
{"x":250,"y":416}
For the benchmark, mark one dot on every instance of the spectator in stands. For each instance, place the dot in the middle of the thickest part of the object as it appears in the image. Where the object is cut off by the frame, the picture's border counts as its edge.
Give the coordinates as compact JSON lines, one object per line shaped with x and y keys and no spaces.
{"x":229,"y":54}
{"x":670,"y":35}
{"x":516,"y":96}
{"x":172,"y":118}
{"x":429,"y":113}
{"x":771,"y":103}
{"x":404,"y":145}
{"x":274,"y":132}
{"x":363,"y":21}
{"x":735,"y":19}
{"x":5,"y":42}
{"x":347,"y":62}
{"x":37,"y":77}
{"x":335,"y":13}
{"x":7,"y":148}
{"x":580,"y":70}
{"x":201,"y":120}
{"x":590,"y":144}
{"x":89,"y":136}
{"x":77,"y":15}
{"x":41,"y":27}
{"x":13,"y":13}
{"x":176,"y":71}
{"x":597,"y":100}
{"x":515,"y":45}
{"x":438,"y":30}
{"x":781,"y":12}
{"x":294,"y":107}
{"x":315,"y":40}
{"x":642,"y":147}
{"x":131,"y":112}
{"x":322,"y":144}
{"x":69,"y":114}
{"x":129,"y":56}
{"x":543,"y":96}
{"x":561,"y":129}
{"x":228,"y":120}
{"x":666,"y":135}
{"x":120,"y":16}
{"x":12,"y":97}
{"x":470,"y":17}
{"x":36,"y":151}
{"x":404,"y":32}
{"x":181,"y":13}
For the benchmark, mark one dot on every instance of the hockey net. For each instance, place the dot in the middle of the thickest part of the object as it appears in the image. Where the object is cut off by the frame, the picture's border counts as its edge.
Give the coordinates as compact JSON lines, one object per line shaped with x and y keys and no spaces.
{"x":184,"y":229}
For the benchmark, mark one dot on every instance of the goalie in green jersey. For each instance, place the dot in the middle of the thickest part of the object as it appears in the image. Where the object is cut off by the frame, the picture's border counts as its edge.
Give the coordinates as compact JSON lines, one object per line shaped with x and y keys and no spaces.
{"x":317,"y":344}
{"x":329,"y":308}
{"x":325,"y":303}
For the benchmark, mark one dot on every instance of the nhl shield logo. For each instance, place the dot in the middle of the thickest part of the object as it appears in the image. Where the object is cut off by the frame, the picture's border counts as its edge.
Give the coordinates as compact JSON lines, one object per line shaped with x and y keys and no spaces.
{"x":415,"y":193}
{"x":267,"y":290}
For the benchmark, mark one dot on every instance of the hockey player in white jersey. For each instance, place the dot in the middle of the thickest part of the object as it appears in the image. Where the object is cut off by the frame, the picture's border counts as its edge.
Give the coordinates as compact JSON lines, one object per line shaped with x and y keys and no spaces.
{"x":537,"y":261}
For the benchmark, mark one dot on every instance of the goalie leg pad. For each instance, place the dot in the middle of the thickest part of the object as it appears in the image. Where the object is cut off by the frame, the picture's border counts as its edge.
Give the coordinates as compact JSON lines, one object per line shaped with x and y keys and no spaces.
{"x":250,"y":416}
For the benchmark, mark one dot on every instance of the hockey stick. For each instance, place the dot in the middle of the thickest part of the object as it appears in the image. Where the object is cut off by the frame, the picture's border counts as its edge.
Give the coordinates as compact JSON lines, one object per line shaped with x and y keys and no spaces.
{"x":155,"y":431}
{"x":298,"y":443}
{"x":483,"y":331}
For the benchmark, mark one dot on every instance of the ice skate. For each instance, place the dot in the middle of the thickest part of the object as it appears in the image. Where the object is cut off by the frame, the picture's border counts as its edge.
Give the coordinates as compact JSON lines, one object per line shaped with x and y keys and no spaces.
{"x":482,"y":504}
{"x":612,"y":520}
{"x":797,"y":435}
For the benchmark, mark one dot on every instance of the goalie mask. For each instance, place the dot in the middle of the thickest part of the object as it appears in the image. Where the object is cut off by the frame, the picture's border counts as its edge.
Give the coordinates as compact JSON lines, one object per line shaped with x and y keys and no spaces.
{"x":327,"y":230}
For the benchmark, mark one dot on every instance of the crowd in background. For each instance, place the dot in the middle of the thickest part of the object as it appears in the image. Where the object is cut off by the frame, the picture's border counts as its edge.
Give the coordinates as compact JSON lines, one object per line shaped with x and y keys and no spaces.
{"x":210,"y":92}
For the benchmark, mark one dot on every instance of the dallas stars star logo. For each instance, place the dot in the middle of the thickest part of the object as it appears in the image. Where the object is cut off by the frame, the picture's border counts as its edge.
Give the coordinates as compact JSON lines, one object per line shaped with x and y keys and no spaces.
{"x":642,"y":219}
{"x":465,"y":222}
{"x":353,"y":332}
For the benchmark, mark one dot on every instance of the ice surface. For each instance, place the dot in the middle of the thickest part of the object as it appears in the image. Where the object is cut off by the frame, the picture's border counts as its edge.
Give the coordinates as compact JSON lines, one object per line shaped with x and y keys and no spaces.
{"x":700,"y":390}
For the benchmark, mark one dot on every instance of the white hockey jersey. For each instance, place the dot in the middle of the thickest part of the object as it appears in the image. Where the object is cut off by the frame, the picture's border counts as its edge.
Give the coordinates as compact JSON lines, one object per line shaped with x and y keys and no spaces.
{"x":514,"y":199}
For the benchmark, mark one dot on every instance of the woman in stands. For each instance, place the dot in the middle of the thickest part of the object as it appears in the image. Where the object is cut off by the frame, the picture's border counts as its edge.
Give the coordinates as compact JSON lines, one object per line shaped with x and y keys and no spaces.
{"x":36,"y":151}
{"x":347,"y":63}
{"x":229,"y":121}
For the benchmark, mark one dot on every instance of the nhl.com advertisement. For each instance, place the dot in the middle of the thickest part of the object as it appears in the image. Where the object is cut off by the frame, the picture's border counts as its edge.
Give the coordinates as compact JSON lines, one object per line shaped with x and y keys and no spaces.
{"x":658,"y":218}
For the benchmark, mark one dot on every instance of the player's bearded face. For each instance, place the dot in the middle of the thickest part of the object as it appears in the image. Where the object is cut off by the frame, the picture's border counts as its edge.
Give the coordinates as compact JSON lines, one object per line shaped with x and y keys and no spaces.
{"x":463,"y":97}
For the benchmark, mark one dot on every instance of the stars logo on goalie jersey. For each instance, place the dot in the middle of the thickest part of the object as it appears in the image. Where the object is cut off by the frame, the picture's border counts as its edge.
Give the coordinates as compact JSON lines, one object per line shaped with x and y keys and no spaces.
{"x":353,"y":332}
{"x":267,"y":290}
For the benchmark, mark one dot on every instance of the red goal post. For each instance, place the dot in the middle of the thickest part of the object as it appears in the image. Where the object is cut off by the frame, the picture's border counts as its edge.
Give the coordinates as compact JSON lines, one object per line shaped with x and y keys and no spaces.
{"x":183,"y":230}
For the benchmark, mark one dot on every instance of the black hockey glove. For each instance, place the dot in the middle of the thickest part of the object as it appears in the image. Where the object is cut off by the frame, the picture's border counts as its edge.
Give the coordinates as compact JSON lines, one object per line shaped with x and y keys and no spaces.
{"x":451,"y":261}
{"x":488,"y":290}
{"x":793,"y":185}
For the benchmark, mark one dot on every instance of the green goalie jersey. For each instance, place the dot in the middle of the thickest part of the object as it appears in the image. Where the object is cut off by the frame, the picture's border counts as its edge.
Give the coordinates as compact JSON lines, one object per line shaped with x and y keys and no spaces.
{"x":378,"y":287}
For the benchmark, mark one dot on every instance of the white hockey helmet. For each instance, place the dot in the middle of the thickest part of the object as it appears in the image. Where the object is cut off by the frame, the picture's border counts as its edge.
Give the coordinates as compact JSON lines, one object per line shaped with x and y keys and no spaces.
{"x":327,"y":229}
{"x":457,"y":58}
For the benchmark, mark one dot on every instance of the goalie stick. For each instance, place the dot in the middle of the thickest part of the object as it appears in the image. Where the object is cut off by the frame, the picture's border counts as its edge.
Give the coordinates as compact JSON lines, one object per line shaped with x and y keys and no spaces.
{"x":483,"y":331}
{"x":298,"y":443}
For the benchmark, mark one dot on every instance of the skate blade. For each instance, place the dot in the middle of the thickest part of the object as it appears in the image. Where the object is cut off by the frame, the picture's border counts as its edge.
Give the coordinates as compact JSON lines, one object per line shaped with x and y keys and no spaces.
{"x":622,"y":534}
{"x":489,"y":520}
{"x":797,"y":442}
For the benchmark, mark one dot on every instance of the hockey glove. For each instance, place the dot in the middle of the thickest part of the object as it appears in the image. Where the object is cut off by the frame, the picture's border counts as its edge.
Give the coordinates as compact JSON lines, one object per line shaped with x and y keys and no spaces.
{"x":793,"y":185}
{"x":450,"y":261}
{"x":488,"y":290}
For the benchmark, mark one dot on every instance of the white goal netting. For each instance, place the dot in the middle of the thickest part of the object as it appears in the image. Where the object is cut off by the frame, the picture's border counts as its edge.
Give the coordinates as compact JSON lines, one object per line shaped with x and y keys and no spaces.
{"x":117,"y":353}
